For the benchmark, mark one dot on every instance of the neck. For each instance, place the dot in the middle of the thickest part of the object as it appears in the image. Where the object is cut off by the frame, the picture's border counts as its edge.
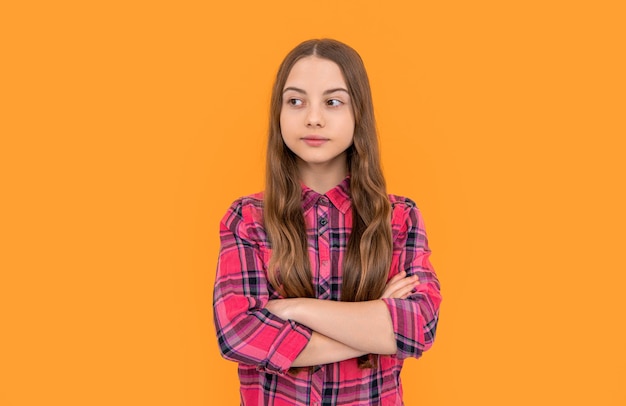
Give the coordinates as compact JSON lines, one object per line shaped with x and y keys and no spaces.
{"x":322,"y":177}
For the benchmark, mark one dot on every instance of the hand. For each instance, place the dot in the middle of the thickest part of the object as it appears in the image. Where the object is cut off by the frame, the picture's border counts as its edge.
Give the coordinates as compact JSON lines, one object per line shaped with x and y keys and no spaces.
{"x":400,"y":286}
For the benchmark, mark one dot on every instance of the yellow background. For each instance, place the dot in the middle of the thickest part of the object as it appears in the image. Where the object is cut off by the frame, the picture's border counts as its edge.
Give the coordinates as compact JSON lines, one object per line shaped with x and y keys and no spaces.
{"x":127,"y":128}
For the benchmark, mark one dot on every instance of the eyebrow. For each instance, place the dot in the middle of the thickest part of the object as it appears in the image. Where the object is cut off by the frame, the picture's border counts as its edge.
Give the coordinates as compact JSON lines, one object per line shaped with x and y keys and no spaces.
{"x":326,"y":92}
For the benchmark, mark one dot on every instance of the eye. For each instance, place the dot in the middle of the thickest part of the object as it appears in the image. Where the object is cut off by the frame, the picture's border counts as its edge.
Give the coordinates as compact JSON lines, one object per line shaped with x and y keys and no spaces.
{"x":334,"y":102}
{"x":294,"y":102}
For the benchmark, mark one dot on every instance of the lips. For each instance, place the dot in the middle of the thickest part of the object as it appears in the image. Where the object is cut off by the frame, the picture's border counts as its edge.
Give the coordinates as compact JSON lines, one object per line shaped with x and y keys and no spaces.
{"x":314,"y":140}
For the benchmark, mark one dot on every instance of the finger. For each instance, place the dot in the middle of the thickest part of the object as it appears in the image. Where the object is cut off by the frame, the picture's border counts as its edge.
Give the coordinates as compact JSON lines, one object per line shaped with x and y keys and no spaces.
{"x":391,"y":284}
{"x":404,"y":290}
{"x":396,"y":277}
{"x":399,"y":288}
{"x":408,"y":281}
{"x":409,"y":291}
{"x":404,"y":293}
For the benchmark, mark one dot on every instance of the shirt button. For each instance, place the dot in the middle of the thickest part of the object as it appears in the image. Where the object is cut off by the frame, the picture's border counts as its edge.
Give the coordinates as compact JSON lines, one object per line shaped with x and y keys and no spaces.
{"x":323,"y":221}
{"x":323,"y":201}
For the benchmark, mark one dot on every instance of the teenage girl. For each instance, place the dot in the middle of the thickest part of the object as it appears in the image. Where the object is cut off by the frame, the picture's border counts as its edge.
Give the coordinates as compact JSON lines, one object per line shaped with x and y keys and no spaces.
{"x":323,"y":283}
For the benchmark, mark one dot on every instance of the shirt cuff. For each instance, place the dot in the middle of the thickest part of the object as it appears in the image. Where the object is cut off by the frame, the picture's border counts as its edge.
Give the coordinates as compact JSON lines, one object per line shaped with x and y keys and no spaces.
{"x":289,"y":343}
{"x":406,"y":326}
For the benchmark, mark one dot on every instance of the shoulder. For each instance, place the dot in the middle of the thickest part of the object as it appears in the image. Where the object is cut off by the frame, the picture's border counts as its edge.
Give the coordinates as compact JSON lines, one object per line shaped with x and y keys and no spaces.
{"x":404,"y":213}
{"x":250,"y":202}
{"x":244,"y":214}
{"x":401,"y":201}
{"x":402,"y":206}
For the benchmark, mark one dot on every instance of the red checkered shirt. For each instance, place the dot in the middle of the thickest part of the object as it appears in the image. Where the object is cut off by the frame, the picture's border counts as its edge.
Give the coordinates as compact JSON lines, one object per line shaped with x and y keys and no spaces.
{"x":265,"y":346}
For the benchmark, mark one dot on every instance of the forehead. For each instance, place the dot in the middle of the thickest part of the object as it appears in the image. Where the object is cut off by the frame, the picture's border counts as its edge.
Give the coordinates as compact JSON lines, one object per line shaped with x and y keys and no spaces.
{"x":315,"y":73}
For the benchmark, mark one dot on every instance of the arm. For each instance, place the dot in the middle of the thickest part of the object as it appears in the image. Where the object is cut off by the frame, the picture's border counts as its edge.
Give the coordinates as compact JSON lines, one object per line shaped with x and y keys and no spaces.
{"x":362,"y":326}
{"x":365,"y":326}
{"x":415,"y":319}
{"x":324,"y":350}
{"x":246,"y":332}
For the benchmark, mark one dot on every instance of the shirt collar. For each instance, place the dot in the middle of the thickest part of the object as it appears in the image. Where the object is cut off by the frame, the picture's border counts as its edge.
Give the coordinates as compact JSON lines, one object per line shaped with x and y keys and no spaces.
{"x":339,"y":196}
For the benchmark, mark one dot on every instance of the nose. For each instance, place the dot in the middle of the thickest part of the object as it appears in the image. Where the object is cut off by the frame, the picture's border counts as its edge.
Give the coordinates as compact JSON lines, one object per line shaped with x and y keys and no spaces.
{"x":314,"y":117}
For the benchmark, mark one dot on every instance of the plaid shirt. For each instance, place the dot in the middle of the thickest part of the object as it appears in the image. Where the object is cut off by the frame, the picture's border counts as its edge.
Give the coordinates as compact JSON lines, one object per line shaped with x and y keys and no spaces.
{"x":265,"y":345}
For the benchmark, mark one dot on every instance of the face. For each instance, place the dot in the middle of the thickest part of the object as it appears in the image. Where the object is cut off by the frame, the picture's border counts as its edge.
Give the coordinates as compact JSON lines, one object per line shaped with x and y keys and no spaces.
{"x":316,"y":118}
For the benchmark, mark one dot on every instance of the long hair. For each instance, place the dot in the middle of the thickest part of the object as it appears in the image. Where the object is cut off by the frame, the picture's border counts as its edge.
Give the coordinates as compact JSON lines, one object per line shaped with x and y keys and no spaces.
{"x":368,"y":253}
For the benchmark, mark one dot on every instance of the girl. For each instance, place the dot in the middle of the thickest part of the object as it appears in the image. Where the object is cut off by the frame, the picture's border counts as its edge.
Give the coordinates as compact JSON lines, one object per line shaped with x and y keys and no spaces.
{"x":323,"y":283}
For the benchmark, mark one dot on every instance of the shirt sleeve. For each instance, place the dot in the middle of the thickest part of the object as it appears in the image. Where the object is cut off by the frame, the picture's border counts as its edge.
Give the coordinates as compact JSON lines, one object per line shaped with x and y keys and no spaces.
{"x":246,"y":332}
{"x":414,"y":318}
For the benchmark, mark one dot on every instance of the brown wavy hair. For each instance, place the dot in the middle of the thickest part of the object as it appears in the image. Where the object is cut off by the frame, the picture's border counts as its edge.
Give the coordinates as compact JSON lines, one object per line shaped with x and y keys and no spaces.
{"x":368,"y":254}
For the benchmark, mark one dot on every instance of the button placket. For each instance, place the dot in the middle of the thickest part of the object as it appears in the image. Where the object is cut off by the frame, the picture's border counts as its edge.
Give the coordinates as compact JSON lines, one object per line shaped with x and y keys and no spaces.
{"x":322,"y":213}
{"x":323,"y":244}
